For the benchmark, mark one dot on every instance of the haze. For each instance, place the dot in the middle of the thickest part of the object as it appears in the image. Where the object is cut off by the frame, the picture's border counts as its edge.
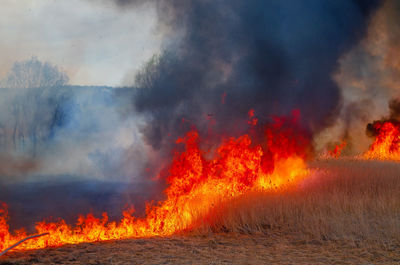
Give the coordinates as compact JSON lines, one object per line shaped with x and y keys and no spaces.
{"x":95,"y":44}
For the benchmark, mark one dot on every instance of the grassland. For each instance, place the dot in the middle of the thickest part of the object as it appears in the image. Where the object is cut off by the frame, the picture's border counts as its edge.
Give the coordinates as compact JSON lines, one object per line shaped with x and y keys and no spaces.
{"x":353,"y":201}
{"x":346,"y":212}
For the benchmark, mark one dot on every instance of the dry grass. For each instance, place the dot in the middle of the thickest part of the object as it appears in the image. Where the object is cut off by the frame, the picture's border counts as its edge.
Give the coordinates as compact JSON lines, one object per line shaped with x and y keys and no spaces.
{"x":228,"y":248}
{"x":344,"y":200}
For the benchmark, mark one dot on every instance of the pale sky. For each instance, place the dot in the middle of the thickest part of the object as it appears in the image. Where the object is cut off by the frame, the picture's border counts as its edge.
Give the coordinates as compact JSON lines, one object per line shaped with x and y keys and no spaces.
{"x":94,"y":43}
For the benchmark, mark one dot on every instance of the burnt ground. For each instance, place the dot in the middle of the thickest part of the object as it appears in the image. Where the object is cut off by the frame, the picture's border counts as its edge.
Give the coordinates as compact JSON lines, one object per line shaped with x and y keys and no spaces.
{"x":210,"y":249}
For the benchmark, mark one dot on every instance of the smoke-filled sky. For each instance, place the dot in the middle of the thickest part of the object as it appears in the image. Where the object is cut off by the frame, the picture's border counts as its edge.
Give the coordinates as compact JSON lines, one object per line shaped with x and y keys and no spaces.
{"x":184,"y":63}
{"x":100,"y":90}
{"x":369,"y":78}
{"x":95,"y":44}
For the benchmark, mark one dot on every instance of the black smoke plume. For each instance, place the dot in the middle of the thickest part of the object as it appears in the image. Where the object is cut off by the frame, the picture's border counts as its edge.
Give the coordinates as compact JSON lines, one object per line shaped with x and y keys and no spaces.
{"x":394,"y":107}
{"x":233,"y":56}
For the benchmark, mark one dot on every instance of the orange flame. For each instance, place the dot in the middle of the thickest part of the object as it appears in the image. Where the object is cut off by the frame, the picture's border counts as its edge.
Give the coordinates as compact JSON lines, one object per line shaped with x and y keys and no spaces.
{"x":195,"y":184}
{"x":387,"y":141}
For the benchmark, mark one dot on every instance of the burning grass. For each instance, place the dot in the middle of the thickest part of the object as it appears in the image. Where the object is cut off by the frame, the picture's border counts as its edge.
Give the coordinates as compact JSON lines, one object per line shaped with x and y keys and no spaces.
{"x":247,"y":186}
{"x":386,"y":145}
{"x":347,"y":212}
{"x":195,"y":184}
{"x":343,"y":200}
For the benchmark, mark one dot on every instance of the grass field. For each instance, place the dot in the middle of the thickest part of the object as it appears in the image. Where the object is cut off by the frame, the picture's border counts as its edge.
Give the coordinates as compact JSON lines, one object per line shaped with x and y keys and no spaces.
{"x":354,"y":201}
{"x":346,"y":212}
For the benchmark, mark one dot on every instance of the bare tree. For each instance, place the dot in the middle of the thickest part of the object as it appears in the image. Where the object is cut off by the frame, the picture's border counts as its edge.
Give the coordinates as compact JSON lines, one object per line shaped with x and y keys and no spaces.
{"x":34,"y":73}
{"x":31,"y":97}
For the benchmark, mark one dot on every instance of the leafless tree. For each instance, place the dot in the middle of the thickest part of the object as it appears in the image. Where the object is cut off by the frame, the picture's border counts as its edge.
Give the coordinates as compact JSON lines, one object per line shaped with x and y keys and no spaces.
{"x":30,"y":97}
{"x":34,"y":73}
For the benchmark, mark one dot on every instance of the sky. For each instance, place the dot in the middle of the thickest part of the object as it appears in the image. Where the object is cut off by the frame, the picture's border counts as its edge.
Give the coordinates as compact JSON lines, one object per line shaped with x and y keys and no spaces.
{"x":95,"y":44}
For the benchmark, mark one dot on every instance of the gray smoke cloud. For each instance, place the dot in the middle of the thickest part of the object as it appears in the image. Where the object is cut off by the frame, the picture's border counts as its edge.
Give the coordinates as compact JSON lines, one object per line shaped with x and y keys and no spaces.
{"x":224,"y":58}
{"x":368,"y":77}
{"x":219,"y":59}
{"x":49,"y":128}
{"x":63,"y":146}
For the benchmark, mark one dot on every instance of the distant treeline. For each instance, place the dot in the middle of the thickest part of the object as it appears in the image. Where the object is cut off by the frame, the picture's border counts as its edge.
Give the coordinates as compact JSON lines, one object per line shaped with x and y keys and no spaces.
{"x":36,"y":101}
{"x":31,"y":116}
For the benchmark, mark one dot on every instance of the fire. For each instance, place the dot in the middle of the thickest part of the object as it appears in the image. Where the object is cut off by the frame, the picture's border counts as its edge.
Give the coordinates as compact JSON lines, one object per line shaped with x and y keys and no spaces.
{"x":387,"y":141}
{"x":195,"y":183}
{"x":337,"y":151}
{"x":252,"y":120}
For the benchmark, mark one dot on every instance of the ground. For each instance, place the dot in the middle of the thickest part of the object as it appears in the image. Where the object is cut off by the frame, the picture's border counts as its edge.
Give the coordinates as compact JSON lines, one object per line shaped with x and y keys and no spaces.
{"x":210,"y":249}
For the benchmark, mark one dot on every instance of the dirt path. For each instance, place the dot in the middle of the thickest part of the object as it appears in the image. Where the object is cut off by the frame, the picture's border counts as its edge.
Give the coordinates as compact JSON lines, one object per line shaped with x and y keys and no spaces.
{"x":213,"y":249}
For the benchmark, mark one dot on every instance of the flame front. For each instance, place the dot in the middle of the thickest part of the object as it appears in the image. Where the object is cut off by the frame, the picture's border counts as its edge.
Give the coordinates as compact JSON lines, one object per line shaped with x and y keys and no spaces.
{"x":195,"y":184}
{"x":387,"y":141}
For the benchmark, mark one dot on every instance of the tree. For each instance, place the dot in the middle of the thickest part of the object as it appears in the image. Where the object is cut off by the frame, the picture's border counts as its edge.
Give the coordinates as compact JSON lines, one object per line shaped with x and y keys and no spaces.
{"x":33,"y":73}
{"x":31,"y":99}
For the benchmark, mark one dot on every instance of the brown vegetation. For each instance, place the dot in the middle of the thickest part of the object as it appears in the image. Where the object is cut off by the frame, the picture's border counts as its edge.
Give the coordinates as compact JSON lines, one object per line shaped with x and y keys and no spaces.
{"x":215,"y":249}
{"x":346,"y":200}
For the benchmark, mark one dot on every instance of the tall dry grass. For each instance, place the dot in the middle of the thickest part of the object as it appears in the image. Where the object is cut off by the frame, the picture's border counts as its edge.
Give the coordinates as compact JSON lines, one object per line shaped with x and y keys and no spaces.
{"x":356,"y":201}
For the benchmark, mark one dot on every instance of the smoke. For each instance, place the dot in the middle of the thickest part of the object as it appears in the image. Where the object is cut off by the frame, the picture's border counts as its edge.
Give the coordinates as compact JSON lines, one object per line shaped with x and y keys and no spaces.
{"x":394,"y":108}
{"x":369,"y":78}
{"x":374,"y":128}
{"x":270,"y":56}
{"x":219,"y":59}
{"x":48,"y":128}
{"x":63,"y":145}
{"x":16,"y":167}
